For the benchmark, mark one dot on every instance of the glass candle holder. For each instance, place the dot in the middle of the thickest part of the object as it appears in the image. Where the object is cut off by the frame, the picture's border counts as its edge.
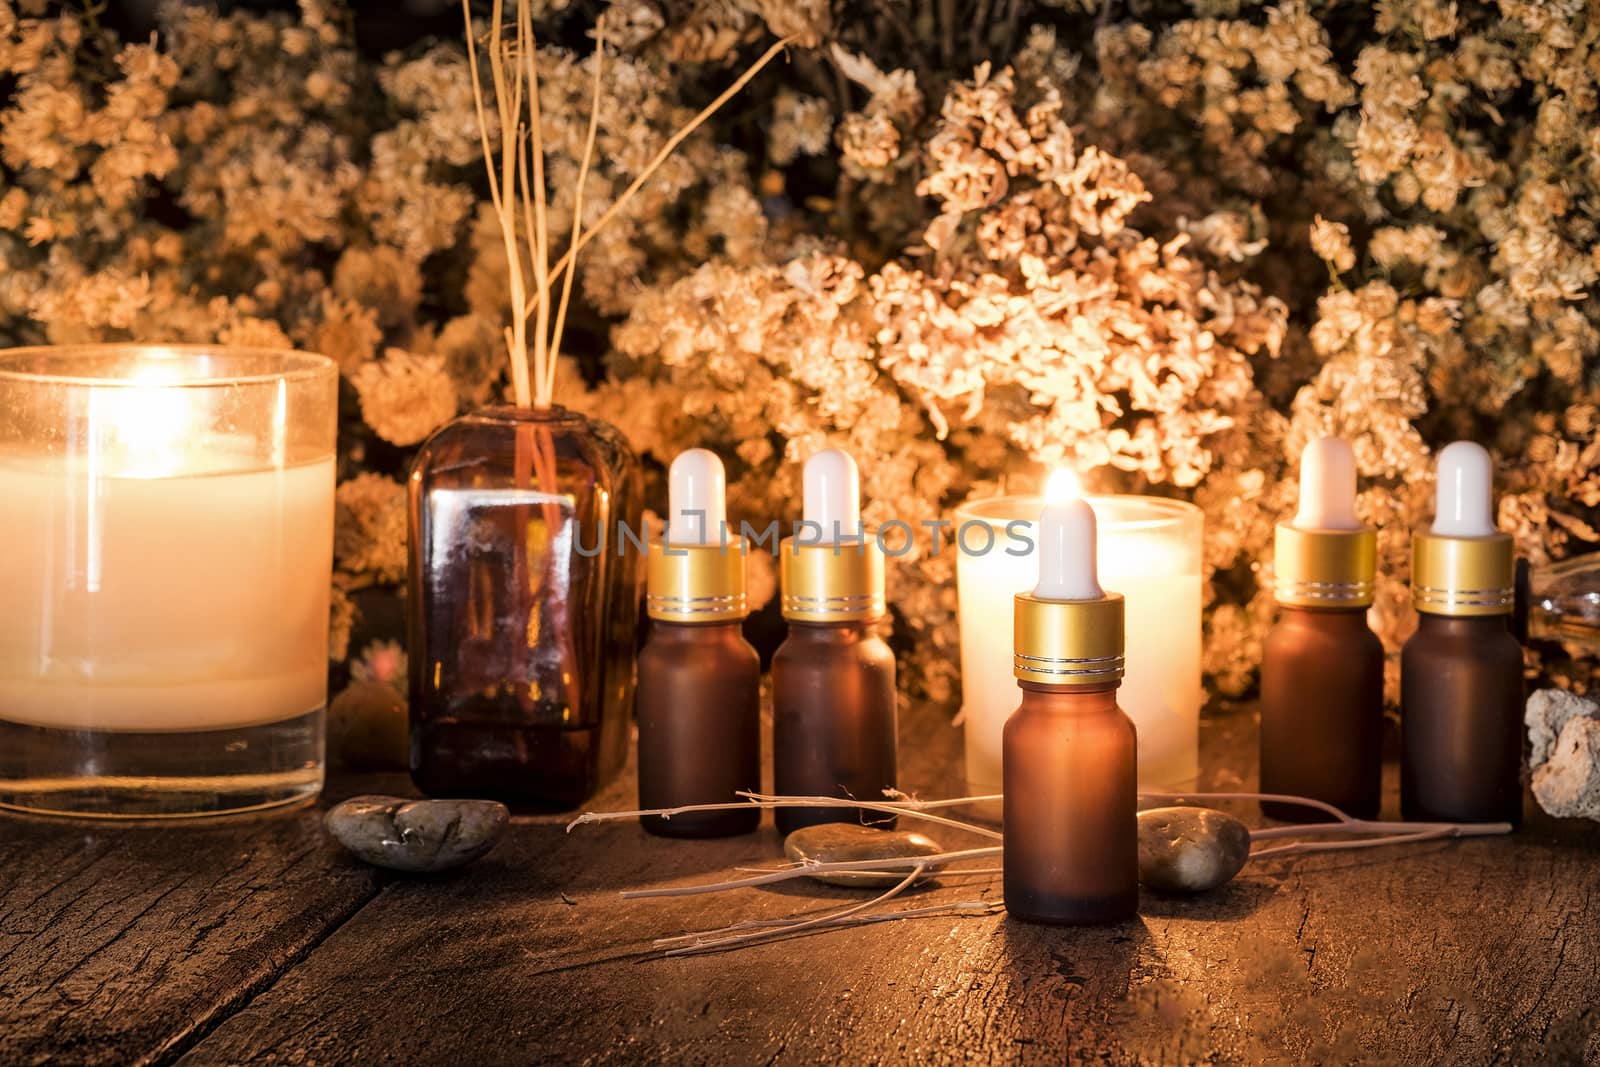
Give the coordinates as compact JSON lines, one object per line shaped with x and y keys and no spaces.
{"x":166,"y":514}
{"x":1149,"y":551}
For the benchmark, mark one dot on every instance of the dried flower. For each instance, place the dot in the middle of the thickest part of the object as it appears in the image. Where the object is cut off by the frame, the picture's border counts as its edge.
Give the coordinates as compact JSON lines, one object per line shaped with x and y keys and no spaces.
{"x":1331,"y":242}
{"x":341,"y":620}
{"x":800,"y":127}
{"x":1113,"y":251}
{"x":383,"y":662}
{"x":369,"y":537}
{"x":404,"y":398}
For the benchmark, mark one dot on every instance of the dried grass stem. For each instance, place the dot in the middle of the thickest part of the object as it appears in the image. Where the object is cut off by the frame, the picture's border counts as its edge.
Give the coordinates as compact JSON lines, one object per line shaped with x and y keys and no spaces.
{"x":521,"y":199}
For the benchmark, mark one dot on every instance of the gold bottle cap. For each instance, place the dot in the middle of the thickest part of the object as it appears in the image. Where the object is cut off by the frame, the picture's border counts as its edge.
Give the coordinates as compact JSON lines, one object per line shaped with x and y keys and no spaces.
{"x":695,"y":583}
{"x":1462,"y":576}
{"x":1325,"y":568}
{"x":832,"y":583}
{"x":1069,"y":642}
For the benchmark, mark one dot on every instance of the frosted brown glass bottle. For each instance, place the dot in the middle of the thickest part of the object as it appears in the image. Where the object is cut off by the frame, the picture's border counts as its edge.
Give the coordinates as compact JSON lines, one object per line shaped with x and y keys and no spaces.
{"x":834,"y":730}
{"x":1461,"y":691}
{"x":1322,"y":711}
{"x":1071,"y":802}
{"x":1461,"y":695}
{"x":699,"y":690}
{"x":834,"y":720}
{"x":699,"y":709}
{"x":1321,"y":665}
{"x":1069,"y":754}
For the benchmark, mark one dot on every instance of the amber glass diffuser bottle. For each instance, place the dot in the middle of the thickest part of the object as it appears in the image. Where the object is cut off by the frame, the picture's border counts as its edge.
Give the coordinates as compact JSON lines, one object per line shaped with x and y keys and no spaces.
{"x":1069,"y":752}
{"x":833,"y":693}
{"x":523,"y":611}
{"x":699,"y":702}
{"x":1461,"y":672}
{"x":1322,"y":666}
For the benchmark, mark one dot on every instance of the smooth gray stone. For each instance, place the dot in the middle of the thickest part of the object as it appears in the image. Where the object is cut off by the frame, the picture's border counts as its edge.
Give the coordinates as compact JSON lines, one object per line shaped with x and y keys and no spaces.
{"x":1190,"y":850}
{"x":843,"y":842}
{"x":417,"y":835}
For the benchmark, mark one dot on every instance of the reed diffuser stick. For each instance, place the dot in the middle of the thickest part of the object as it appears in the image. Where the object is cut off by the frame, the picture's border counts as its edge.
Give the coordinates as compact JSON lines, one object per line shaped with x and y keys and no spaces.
{"x":521,"y":198}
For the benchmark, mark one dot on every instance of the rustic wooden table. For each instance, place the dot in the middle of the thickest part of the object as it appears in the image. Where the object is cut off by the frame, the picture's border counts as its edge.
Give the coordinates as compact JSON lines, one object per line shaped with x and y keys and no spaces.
{"x":259,"y":942}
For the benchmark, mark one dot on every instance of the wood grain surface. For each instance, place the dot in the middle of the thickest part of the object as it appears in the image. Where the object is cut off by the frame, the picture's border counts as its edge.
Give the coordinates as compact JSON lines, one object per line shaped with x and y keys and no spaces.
{"x":260,"y":942}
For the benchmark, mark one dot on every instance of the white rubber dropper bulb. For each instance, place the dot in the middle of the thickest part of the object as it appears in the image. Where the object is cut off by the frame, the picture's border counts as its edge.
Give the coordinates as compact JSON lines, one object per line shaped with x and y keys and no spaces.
{"x":1463,"y":504}
{"x":1327,"y":486}
{"x":697,"y":492}
{"x":1067,"y":568}
{"x":832,"y":495}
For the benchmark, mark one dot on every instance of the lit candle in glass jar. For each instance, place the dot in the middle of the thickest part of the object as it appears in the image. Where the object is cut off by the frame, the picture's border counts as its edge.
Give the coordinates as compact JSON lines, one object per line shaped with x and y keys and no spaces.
{"x":168,"y":522}
{"x":1149,"y":551}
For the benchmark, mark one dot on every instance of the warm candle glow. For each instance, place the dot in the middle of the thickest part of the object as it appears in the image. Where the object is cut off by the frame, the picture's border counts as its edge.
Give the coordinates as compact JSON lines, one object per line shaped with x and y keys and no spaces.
{"x":167,"y":513}
{"x":139,"y":430}
{"x":172,"y":568}
{"x":1062,"y":486}
{"x":1149,"y":551}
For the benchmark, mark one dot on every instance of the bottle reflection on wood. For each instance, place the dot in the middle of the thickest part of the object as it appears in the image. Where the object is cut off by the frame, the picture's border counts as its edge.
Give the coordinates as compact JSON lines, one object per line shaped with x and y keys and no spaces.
{"x":521,"y":633}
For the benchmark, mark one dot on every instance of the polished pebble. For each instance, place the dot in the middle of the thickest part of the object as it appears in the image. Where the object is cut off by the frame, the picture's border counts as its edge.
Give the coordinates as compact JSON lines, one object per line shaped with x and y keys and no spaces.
{"x":840,"y":842}
{"x":1190,"y":850}
{"x":417,"y":835}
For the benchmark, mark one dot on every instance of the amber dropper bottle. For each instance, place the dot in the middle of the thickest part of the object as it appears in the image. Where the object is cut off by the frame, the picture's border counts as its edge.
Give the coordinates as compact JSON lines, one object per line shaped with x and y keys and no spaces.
{"x":1069,"y":754}
{"x":1461,"y":672}
{"x":1322,"y":666}
{"x":699,"y":690}
{"x":833,"y":694}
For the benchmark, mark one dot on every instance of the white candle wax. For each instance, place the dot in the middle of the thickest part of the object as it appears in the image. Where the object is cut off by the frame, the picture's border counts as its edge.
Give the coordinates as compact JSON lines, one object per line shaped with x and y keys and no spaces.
{"x":1149,"y":551}
{"x":187,"y":601}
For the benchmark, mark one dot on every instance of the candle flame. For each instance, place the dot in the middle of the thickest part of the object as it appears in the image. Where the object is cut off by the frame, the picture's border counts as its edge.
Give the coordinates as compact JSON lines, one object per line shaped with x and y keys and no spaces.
{"x":142,"y":426}
{"x":1062,"y":486}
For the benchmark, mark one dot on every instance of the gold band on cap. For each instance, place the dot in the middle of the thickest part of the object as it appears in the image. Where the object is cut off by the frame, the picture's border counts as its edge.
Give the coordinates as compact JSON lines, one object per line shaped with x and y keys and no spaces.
{"x":1462,"y":576}
{"x":1069,"y":642}
{"x":832,"y":583}
{"x":695,"y":583}
{"x":1325,"y":568}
